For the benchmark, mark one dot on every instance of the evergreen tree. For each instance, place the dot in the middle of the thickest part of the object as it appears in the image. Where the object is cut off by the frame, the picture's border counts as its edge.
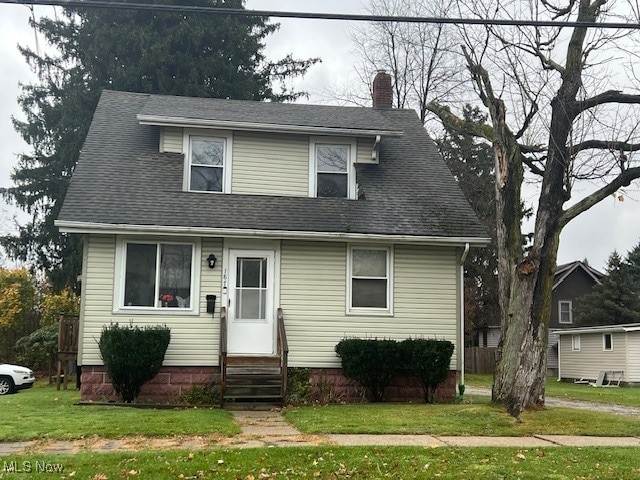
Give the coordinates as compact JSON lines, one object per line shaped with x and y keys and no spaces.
{"x":472,"y":163}
{"x":617,"y":299}
{"x":141,"y":51}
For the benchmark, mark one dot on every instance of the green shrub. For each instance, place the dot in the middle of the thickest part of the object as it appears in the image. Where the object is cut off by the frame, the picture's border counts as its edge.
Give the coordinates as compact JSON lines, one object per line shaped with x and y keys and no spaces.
{"x":202,"y":395}
{"x":37,"y":349}
{"x":132,"y":356}
{"x":370,"y":362}
{"x":428,"y":361}
{"x":299,"y":386}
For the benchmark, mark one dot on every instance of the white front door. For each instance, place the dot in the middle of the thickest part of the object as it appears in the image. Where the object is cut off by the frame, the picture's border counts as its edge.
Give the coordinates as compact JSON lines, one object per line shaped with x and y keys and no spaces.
{"x":250,"y":302}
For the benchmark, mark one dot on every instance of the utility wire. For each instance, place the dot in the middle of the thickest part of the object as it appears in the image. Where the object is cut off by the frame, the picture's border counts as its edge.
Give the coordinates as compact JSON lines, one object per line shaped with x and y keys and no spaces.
{"x":102,"y":4}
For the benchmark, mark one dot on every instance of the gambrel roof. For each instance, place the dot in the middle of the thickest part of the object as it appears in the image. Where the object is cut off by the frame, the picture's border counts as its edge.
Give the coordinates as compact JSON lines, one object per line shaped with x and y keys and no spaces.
{"x":122,"y":182}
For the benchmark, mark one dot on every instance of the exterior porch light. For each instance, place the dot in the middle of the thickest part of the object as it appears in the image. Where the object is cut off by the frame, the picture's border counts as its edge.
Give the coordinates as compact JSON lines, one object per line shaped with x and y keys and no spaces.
{"x":212,"y":260}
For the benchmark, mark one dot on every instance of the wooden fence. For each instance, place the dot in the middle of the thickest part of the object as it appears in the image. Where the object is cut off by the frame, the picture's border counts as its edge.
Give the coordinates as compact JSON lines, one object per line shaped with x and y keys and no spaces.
{"x":480,"y":359}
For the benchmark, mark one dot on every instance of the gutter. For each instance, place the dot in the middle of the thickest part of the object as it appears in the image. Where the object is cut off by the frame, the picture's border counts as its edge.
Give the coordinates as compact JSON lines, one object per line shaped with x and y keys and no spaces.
{"x":167,"y":121}
{"x":115,"y":229}
{"x":603,"y":329}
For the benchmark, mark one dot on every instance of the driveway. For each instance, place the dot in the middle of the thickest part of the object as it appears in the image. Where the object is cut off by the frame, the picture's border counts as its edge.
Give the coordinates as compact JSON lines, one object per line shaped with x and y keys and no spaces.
{"x":560,"y":402}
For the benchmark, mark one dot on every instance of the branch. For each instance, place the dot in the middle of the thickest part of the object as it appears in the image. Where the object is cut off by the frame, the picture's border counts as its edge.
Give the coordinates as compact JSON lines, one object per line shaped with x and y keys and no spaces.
{"x":456,"y":124}
{"x":622,"y":180}
{"x":452,"y":122}
{"x":610,"y":96}
{"x":535,"y":169}
{"x":604,"y":145}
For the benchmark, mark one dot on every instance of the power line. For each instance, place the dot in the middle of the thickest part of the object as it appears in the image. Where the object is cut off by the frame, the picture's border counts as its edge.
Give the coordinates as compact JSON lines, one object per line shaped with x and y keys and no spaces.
{"x":101,"y":4}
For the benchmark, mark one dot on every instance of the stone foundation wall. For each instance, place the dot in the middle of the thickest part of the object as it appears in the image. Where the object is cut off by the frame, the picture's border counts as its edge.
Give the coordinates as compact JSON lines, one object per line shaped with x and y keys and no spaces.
{"x":330,"y":385}
{"x":166,"y":387}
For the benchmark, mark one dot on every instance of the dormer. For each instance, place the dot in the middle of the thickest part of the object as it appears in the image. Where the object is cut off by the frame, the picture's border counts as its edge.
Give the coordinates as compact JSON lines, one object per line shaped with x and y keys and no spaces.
{"x":252,"y":148}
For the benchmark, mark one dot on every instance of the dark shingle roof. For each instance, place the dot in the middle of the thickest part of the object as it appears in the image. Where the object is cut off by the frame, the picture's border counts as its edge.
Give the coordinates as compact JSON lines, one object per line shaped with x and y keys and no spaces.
{"x":121,"y":178}
{"x":265,"y":113}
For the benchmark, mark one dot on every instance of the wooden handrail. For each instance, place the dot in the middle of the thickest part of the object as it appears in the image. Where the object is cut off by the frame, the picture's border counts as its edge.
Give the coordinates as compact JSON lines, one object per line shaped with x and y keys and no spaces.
{"x":223,"y":353}
{"x":283,"y":349}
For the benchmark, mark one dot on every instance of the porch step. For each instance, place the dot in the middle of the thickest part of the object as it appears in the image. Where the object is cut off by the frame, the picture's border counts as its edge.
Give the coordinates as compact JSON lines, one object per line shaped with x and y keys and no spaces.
{"x":254,"y":361}
{"x":255,"y":379}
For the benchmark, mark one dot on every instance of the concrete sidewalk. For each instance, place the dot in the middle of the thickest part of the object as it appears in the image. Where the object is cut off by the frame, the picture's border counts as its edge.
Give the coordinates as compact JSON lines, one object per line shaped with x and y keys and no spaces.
{"x":270,"y":429}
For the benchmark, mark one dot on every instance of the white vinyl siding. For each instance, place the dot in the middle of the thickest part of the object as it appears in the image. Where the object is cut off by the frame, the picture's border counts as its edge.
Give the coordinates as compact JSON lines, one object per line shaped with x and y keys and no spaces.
{"x":171,"y":140}
{"x":365,"y":150}
{"x":194,"y":338}
{"x":313,"y":296}
{"x":587,"y":362}
{"x":269,"y":164}
{"x":633,"y":357}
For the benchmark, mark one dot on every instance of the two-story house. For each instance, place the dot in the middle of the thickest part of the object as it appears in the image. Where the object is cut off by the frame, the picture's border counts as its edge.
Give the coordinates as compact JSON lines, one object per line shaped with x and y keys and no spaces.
{"x":249,"y":226}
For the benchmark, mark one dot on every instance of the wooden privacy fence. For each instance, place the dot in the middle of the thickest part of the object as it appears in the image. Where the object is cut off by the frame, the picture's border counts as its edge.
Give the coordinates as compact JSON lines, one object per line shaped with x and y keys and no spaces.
{"x":480,"y":359}
{"x":68,"y":332}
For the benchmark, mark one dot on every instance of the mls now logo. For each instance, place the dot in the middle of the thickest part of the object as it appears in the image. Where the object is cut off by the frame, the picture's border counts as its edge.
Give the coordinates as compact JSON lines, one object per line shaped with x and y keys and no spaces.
{"x":28,"y":467}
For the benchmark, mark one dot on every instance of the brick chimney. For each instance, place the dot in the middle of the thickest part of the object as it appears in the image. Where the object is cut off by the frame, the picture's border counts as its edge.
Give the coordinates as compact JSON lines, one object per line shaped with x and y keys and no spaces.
{"x":382,"y":91}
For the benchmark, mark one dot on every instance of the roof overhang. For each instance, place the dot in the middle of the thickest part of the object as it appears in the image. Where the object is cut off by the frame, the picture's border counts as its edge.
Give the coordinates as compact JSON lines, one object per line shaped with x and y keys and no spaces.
{"x":128,"y":229}
{"x":562,"y":276}
{"x":169,"y":121}
{"x":631,"y":327}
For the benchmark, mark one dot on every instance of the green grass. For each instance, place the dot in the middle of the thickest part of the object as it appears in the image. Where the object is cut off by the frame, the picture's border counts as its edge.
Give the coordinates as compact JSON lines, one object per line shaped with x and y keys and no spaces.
{"x":629,"y":396}
{"x":345,"y":462}
{"x":477,"y":418}
{"x":44,"y":412}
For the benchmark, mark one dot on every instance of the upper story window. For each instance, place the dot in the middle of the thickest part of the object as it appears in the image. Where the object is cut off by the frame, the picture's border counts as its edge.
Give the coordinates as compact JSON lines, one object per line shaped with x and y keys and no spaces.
{"x":208,"y":162}
{"x":156,"y":275}
{"x":565,"y":313}
{"x":370,"y":281}
{"x":331,"y":167}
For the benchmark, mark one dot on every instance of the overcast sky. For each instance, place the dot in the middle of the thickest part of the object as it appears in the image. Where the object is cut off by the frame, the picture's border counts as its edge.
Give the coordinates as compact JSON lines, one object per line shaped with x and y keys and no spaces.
{"x":594,"y":235}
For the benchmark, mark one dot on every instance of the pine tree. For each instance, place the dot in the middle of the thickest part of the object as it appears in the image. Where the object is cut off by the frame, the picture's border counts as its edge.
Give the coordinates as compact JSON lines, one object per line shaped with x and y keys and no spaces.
{"x":471,"y":162}
{"x":141,"y":51}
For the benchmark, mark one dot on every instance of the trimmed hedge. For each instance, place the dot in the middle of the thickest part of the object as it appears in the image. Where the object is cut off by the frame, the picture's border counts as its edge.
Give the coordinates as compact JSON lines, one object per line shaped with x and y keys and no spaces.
{"x":428,"y":361}
{"x":132,"y":356}
{"x":373,"y":363}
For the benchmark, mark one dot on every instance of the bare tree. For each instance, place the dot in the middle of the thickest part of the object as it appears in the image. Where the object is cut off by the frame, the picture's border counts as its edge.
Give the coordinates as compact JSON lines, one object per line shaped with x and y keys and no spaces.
{"x":423,"y":59}
{"x":558,"y":112}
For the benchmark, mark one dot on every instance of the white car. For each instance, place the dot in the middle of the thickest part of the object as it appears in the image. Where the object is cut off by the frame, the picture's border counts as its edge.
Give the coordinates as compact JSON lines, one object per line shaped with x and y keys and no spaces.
{"x":14,"y":378}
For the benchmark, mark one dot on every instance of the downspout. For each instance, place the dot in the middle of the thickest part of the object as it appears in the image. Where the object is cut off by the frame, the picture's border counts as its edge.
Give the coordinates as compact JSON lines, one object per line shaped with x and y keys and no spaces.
{"x":463,"y":258}
{"x":559,"y":362}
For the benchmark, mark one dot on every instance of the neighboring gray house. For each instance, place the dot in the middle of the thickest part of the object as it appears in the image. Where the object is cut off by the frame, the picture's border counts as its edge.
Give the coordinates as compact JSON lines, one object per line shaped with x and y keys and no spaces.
{"x":585,"y":351}
{"x":571,"y":282}
{"x":310,"y":223}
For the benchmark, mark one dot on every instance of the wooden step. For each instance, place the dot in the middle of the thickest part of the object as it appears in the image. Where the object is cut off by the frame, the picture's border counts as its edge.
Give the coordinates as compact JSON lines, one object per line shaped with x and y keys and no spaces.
{"x":245,"y":360}
{"x":253,"y":379}
{"x":253,"y":370}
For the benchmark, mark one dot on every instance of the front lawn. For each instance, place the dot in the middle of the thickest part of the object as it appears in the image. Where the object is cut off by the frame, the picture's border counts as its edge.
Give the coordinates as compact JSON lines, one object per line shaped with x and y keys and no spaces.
{"x":477,"y":418}
{"x":44,"y":412}
{"x":629,"y":396}
{"x":341,"y":463}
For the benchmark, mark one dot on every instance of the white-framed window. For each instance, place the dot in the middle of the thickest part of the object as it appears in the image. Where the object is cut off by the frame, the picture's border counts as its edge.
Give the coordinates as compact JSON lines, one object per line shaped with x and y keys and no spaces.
{"x":156,"y":276}
{"x":575,"y":343}
{"x":565,"y":311}
{"x":331,"y":167}
{"x":207,"y":161}
{"x":607,"y":342}
{"x":370,"y":280}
